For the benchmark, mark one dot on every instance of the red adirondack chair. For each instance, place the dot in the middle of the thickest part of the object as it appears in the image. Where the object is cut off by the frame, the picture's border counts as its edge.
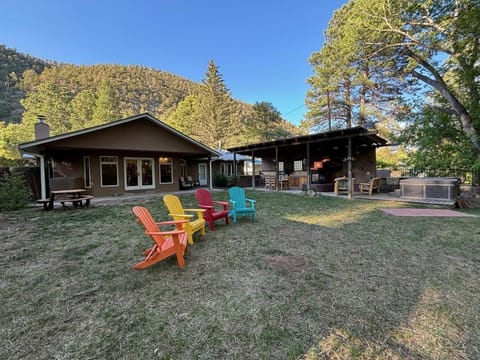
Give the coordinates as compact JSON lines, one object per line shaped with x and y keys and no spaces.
{"x":204,"y":199}
{"x":167,"y":243}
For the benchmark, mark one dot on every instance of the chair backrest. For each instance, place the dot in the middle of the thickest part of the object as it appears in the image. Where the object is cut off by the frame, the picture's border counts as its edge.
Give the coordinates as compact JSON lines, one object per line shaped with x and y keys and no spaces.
{"x":145,"y":218}
{"x":237,"y":194}
{"x":182,"y":180}
{"x":204,"y":197}
{"x":173,"y":204}
{"x":190,"y":179}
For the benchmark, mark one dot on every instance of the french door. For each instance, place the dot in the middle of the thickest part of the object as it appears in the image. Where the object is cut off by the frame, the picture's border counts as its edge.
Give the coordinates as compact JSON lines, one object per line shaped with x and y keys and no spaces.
{"x":139,"y":173}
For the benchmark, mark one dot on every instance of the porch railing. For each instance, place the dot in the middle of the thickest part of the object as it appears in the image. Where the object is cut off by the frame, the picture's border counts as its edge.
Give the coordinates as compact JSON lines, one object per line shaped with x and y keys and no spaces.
{"x":467,"y":176}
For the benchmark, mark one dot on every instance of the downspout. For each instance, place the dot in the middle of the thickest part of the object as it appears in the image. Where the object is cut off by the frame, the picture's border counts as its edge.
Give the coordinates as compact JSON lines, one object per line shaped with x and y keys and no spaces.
{"x":253,"y":170}
{"x":235,"y":168}
{"x":349,"y":170}
{"x":309,"y":183}
{"x":210,"y":173}
{"x":276,"y":168}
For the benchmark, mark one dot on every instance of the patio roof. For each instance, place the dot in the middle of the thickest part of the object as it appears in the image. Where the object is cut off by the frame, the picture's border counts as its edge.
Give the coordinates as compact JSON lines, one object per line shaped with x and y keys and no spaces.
{"x":321,"y":142}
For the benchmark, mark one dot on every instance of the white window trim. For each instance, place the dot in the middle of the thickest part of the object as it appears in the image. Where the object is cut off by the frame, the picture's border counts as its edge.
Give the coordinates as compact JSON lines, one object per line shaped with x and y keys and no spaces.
{"x":160,"y":169}
{"x":140,"y":186}
{"x":89,"y":172}
{"x":107,"y":162}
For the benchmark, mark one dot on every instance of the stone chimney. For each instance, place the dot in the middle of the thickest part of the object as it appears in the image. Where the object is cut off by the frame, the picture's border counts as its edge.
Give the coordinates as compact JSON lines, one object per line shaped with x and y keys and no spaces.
{"x":42,"y":130}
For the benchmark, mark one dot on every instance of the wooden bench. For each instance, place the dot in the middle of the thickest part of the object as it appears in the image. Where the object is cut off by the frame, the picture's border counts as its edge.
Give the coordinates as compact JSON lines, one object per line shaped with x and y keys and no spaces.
{"x":45,"y":202}
{"x":373,"y":184}
{"x":77,"y":202}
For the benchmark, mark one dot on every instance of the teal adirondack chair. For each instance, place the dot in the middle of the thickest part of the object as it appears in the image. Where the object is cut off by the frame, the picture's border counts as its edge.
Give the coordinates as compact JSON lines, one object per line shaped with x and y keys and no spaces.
{"x":240,"y":204}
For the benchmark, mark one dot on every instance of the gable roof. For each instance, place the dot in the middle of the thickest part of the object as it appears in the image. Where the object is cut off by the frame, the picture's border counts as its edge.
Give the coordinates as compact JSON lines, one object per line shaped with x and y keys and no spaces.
{"x":34,"y":146}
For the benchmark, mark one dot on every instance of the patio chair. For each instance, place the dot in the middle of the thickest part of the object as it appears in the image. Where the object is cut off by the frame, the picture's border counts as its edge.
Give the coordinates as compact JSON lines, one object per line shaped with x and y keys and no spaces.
{"x":185,"y":184}
{"x":240,"y":204}
{"x":194,"y":182}
{"x":177,"y":212}
{"x":167,"y":243}
{"x":205,"y":201}
{"x":369,"y":187}
{"x":341,"y":185}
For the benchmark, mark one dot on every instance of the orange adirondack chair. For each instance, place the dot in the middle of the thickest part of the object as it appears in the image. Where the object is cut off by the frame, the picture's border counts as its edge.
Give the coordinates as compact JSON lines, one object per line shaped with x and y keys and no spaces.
{"x":167,"y":243}
{"x":177,"y":211}
{"x":205,"y":201}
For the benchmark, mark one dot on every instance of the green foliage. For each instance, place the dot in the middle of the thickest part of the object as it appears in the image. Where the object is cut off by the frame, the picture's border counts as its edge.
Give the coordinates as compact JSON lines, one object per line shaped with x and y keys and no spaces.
{"x":266,"y":123}
{"x":391,"y":158}
{"x":436,"y":140}
{"x":75,"y":97}
{"x":13,"y":64}
{"x":379,"y":53}
{"x":224,"y":181}
{"x":13,"y":191}
{"x":215,"y":124}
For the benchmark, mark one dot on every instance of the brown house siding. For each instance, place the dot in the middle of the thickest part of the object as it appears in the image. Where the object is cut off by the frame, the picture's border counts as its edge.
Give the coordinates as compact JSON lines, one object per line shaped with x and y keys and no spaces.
{"x":137,"y":138}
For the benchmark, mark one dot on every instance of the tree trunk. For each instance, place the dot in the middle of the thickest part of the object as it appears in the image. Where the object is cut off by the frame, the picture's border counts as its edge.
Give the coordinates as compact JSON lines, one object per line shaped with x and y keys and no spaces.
{"x":438,"y":83}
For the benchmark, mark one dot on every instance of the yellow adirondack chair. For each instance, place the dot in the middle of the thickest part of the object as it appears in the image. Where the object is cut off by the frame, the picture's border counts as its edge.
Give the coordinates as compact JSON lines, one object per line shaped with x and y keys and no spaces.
{"x":177,"y":212}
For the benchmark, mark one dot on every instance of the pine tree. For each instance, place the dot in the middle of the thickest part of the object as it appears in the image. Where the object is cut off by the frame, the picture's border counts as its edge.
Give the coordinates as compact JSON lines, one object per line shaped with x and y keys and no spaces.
{"x":214,"y":123}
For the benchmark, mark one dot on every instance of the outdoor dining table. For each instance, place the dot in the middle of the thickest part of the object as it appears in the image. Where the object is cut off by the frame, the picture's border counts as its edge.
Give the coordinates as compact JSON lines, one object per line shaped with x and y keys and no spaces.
{"x":73,"y":193}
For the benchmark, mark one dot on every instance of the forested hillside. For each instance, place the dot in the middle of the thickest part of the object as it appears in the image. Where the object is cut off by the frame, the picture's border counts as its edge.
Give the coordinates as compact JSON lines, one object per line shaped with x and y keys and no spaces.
{"x":73,"y":97}
{"x":12,"y":66}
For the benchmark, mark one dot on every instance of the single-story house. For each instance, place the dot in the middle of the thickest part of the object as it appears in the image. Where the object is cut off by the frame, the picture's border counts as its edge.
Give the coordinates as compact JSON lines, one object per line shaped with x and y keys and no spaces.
{"x":240,"y":166}
{"x":315,"y":160}
{"x":136,"y":154}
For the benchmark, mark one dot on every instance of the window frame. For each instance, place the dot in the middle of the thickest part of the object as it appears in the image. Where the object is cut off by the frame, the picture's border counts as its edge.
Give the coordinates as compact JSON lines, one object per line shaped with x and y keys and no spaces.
{"x":102,"y":162}
{"x":160,"y":164}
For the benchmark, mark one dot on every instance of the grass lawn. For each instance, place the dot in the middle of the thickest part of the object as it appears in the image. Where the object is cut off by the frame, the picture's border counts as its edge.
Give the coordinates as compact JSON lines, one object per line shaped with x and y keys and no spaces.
{"x":311,"y":278}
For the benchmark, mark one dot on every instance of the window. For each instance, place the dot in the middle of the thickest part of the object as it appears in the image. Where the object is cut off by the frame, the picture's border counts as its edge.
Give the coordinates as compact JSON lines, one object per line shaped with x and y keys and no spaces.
{"x":280,"y":166}
{"x":298,"y":165}
{"x":109,"y":171}
{"x":87,"y":178}
{"x":183,"y":168}
{"x":166,"y":170}
{"x":226,"y":169}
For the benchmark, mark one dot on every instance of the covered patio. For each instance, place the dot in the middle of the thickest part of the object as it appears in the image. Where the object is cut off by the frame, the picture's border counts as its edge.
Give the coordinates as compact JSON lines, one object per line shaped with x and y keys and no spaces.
{"x":314,"y":161}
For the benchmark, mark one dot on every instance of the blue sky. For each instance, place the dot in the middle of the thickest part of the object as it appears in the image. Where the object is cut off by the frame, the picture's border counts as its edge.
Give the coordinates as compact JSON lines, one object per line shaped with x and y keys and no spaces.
{"x":261,"y":47}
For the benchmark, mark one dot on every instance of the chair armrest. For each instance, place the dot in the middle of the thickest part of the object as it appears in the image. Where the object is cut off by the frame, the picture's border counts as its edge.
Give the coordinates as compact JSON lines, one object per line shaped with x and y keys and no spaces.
{"x":198,"y":211}
{"x":171,"y":222}
{"x":172,"y":232}
{"x":177,"y":223}
{"x":251,"y":201}
{"x":207,"y":207}
{"x":223,"y":203}
{"x":181,"y":215}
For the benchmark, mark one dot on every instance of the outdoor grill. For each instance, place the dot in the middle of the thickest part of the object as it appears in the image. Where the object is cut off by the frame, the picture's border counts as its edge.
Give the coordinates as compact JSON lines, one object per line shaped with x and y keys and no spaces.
{"x":430,"y":188}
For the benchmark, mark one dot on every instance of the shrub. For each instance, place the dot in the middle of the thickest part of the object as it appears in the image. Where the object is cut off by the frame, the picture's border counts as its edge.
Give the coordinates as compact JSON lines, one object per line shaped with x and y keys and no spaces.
{"x":13,"y":191}
{"x":220,"y":180}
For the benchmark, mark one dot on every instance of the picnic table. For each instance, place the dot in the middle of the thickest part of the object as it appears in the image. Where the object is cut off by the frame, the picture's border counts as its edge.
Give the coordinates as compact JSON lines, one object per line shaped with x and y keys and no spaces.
{"x":73,"y":196}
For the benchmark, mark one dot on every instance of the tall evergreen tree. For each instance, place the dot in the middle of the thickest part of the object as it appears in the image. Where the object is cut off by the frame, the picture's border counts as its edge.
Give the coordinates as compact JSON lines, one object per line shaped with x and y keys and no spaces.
{"x":106,"y":105}
{"x":215,"y":124}
{"x":266,"y":123}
